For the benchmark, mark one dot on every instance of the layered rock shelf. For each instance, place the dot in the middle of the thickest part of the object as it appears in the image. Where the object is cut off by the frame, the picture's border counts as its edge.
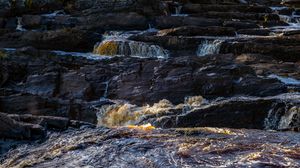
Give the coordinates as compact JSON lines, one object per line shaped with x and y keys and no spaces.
{"x":149,"y":83}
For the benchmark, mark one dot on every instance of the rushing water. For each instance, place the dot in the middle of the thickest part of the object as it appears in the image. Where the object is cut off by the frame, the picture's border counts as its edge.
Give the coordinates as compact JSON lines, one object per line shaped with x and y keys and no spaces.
{"x":292,"y":20}
{"x":191,"y":147}
{"x":178,"y":9}
{"x":130,"y":48}
{"x":19,"y":25}
{"x":208,"y":47}
{"x":283,"y":116}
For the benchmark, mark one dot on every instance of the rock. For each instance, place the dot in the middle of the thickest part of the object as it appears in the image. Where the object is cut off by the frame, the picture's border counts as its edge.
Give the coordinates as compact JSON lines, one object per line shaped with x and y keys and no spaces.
{"x":74,"y":85}
{"x":2,"y":23}
{"x":111,"y":21}
{"x":197,"y":31}
{"x":11,"y":23}
{"x":294,"y":3}
{"x":277,"y":113}
{"x":228,"y":114}
{"x":31,"y":104}
{"x":104,"y":6}
{"x":175,"y":79}
{"x":31,"y":21}
{"x":14,"y":130}
{"x":240,"y":25}
{"x":176,"y":21}
{"x":199,"y":8}
{"x":49,"y":122}
{"x":65,"y":39}
{"x":259,"y":32}
{"x":4,"y":7}
{"x":278,"y":47}
{"x":44,"y":85}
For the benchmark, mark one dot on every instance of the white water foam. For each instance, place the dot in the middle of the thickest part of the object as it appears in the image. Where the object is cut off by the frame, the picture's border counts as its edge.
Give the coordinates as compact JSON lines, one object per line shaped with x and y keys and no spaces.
{"x":19,"y":25}
{"x":208,"y":47}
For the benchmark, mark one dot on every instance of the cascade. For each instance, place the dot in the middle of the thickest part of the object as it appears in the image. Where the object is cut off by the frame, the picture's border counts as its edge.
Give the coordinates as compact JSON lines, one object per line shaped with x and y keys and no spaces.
{"x":105,"y":90}
{"x":208,"y":47}
{"x":116,"y":47}
{"x":19,"y":25}
{"x":178,"y":9}
{"x":283,"y":116}
{"x":122,"y":114}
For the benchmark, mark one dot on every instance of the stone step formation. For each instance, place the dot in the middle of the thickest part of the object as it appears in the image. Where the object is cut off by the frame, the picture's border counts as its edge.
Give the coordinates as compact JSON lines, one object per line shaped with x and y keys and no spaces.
{"x":140,"y":83}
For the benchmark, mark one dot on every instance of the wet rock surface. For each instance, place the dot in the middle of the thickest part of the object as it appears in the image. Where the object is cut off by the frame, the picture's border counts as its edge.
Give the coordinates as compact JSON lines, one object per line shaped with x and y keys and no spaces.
{"x":213,"y":77}
{"x":124,"y":147}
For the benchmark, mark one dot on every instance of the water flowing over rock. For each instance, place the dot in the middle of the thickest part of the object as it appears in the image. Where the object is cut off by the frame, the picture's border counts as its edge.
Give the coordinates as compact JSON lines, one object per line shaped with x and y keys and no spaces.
{"x":284,"y":116}
{"x":20,"y":26}
{"x":194,"y":147}
{"x":130,"y":48}
{"x":209,"y":47}
{"x":149,"y":83}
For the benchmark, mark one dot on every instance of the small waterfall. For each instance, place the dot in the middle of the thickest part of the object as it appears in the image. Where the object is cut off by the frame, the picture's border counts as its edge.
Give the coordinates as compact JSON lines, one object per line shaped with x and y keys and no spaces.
{"x":151,"y":29}
{"x":285,"y":18}
{"x":129,"y":48}
{"x":283,"y":116}
{"x":208,"y":47}
{"x":19,"y":25}
{"x":122,"y":114}
{"x":178,"y":9}
{"x":291,"y":119}
{"x":105,"y":94}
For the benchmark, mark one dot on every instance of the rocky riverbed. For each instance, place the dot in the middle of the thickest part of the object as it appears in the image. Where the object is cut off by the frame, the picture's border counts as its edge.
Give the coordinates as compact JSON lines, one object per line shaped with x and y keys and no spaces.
{"x":139,"y":83}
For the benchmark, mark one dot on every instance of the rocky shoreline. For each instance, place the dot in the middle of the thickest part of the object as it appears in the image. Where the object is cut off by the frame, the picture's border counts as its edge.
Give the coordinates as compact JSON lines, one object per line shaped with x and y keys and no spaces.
{"x":82,"y":79}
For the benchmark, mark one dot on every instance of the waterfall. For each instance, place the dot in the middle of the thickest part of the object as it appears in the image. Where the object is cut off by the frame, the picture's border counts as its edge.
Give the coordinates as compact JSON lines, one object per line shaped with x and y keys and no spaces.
{"x":293,"y":20}
{"x":129,"y":48}
{"x":19,"y":25}
{"x":122,"y":114}
{"x":151,"y":29}
{"x":291,"y":119}
{"x":208,"y":47}
{"x":283,"y":116}
{"x":285,"y":18}
{"x":105,"y":94}
{"x":178,"y":9}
